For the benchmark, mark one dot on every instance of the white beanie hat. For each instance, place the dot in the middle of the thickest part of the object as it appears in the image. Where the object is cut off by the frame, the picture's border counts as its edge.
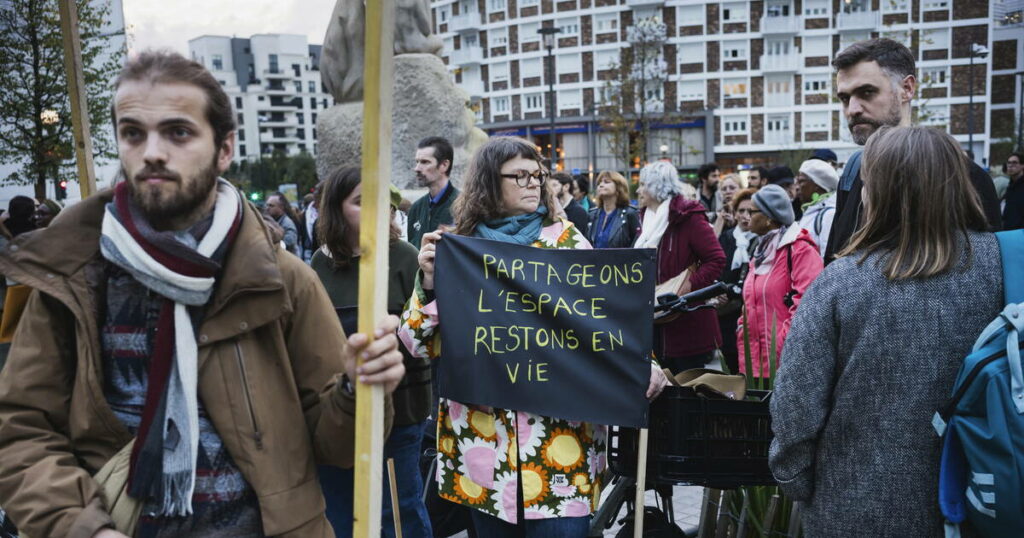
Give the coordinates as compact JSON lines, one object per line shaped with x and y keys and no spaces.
{"x":821,"y":173}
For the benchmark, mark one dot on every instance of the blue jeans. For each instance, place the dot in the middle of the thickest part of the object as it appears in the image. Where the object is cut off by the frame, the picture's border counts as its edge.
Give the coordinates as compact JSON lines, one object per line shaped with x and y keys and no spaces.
{"x":559,"y":527}
{"x":404,"y":446}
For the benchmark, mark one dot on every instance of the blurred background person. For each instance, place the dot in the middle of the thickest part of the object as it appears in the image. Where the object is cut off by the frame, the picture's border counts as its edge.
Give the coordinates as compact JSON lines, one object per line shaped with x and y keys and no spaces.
{"x":783,"y":265}
{"x":337,"y":265}
{"x":281,"y":211}
{"x":20,"y":212}
{"x":707,"y":177}
{"x":816,"y":188}
{"x":737,"y":243}
{"x":581,"y":192}
{"x":614,"y":223}
{"x":45,"y":212}
{"x":679,"y":229}
{"x":561,"y":184}
{"x":727,"y":188}
{"x":756,"y":177}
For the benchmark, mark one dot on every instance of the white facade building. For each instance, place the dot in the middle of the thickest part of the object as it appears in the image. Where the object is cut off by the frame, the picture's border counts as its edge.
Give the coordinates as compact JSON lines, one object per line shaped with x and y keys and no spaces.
{"x":754,"y":75}
{"x":273,"y":81}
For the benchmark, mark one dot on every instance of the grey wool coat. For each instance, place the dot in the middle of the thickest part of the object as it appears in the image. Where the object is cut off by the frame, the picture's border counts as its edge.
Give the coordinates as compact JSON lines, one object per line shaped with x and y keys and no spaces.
{"x":866,"y":364}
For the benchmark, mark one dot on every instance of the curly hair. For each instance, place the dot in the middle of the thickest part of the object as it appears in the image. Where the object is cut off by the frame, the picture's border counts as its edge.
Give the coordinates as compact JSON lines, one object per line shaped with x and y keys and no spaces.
{"x":481,"y":198}
{"x":661,"y":180}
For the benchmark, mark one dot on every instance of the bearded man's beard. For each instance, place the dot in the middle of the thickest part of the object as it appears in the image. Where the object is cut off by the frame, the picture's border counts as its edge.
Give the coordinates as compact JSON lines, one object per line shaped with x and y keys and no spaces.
{"x":159,"y":205}
{"x":892,"y":118}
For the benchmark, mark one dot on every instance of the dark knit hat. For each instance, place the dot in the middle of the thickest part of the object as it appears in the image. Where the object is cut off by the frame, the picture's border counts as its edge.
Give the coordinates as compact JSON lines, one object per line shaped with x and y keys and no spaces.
{"x":781,"y":175}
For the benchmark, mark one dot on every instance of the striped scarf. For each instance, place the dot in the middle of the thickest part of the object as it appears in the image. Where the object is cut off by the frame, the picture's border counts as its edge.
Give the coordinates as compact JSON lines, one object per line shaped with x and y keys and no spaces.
{"x":163,"y":460}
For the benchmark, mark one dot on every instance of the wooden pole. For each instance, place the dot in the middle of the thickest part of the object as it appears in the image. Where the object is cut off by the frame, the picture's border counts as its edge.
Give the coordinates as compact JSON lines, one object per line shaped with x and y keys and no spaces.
{"x":395,"y":512}
{"x":373,"y":263}
{"x":76,"y":89}
{"x":641,"y":486}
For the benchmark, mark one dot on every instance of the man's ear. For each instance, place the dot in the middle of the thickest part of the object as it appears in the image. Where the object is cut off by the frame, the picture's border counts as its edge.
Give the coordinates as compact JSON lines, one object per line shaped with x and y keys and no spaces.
{"x":226,"y":152}
{"x":447,"y":167}
{"x":907,"y":88}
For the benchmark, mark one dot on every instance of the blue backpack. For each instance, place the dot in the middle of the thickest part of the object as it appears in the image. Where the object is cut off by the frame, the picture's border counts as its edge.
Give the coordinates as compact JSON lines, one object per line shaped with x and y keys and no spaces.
{"x":982,"y":471}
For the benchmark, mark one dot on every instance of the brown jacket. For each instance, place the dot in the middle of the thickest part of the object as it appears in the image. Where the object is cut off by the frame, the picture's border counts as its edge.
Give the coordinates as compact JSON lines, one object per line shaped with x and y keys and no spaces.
{"x":270,"y":349}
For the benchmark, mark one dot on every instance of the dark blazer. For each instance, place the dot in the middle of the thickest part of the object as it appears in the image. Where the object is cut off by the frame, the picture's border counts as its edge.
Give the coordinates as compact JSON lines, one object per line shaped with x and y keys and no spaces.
{"x":624,"y":223}
{"x":577,"y":215}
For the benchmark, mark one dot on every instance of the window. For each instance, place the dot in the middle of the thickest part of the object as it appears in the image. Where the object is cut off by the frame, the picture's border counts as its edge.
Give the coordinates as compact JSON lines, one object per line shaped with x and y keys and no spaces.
{"x":241,"y":150}
{"x":815,"y":84}
{"x":734,"y":12}
{"x":569,"y":27}
{"x":818,"y":46}
{"x":733,"y":88}
{"x":606,"y":59}
{"x":273,"y":63}
{"x":312,"y":87}
{"x":528,"y":32}
{"x":528,"y":3}
{"x":568,"y":63}
{"x":499,"y":72}
{"x":929,"y":5}
{"x":500,"y":105}
{"x":218,"y":62}
{"x":777,"y":10}
{"x":312,"y":103}
{"x":297,"y":69}
{"x":238,"y":103}
{"x":690,"y":15}
{"x":530,"y":67}
{"x":734,"y":125}
{"x":934,"y":77}
{"x":894,"y":6}
{"x":777,"y":126}
{"x":734,"y":50}
{"x":692,"y":90}
{"x":935,"y":39}
{"x":777,"y":47}
{"x":692,"y":53}
{"x":443,"y":14}
{"x":902,"y":36}
{"x":496,"y":5}
{"x":241,"y":119}
{"x":241,"y":135}
{"x":533,"y":102}
{"x":498,"y":37}
{"x":816,"y":8}
{"x":570,"y":99}
{"x":606,"y":22}
{"x":302,"y":118}
{"x":298,"y":86}
{"x":816,"y":121}
{"x":933,"y":115}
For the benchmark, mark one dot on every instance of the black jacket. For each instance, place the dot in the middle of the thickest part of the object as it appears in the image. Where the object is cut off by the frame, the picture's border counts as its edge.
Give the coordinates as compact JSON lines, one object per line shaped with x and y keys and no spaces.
{"x":575,"y":212}
{"x":1013,"y":213}
{"x":624,"y":223}
{"x":849,"y":209}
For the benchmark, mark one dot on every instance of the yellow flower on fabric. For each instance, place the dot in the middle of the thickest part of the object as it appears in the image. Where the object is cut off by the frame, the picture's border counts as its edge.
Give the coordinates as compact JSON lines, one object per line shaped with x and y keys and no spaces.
{"x":535,"y":483}
{"x":483,"y":425}
{"x":582,"y":482}
{"x":562,"y":450}
{"x":470,"y":491}
{"x":446,"y":444}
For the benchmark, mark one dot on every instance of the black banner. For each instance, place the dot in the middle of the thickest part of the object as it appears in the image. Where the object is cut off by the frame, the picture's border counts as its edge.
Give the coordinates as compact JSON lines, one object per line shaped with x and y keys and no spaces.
{"x":560,"y":333}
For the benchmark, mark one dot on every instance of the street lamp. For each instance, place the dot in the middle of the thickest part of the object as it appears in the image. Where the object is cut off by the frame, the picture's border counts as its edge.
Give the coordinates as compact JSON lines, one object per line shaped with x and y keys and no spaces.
{"x":664,"y":151}
{"x":977,"y":51}
{"x":548,"y":34}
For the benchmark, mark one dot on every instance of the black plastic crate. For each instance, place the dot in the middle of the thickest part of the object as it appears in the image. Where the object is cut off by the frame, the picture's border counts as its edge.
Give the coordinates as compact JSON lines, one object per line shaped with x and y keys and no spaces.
{"x":700,"y":441}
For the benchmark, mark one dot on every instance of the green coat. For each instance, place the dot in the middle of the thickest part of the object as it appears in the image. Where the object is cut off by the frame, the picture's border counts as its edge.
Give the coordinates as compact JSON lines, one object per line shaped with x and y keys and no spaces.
{"x":425,"y":218}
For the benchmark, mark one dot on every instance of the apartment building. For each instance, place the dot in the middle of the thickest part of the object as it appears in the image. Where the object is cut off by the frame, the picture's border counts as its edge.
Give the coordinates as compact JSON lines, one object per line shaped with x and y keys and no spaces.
{"x":751,"y":79}
{"x":273,"y":81}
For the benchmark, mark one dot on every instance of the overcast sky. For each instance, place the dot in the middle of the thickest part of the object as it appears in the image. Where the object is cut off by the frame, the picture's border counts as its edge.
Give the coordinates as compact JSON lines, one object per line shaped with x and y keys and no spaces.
{"x":162,"y":24}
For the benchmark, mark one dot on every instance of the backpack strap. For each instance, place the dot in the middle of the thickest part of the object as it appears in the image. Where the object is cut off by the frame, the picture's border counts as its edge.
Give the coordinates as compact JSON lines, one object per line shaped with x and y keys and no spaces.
{"x":1011,"y":247}
{"x":850,"y":172}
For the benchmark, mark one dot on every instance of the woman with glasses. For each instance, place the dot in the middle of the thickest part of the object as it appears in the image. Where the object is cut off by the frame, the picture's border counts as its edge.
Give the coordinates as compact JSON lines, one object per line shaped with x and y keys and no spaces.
{"x":783,"y":265}
{"x":522,"y":474}
{"x":613,"y":222}
{"x":679,"y":229}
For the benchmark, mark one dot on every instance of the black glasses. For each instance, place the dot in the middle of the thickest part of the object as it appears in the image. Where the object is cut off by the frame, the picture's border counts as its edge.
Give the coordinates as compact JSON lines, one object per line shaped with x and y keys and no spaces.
{"x":523,"y":177}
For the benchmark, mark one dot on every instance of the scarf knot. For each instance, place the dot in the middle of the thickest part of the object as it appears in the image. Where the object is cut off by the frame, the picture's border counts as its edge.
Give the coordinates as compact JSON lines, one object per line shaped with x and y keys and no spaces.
{"x":520,"y":229}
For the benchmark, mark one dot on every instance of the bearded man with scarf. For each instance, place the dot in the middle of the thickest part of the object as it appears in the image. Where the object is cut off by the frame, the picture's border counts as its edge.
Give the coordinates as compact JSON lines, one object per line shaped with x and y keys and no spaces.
{"x":169,"y":331}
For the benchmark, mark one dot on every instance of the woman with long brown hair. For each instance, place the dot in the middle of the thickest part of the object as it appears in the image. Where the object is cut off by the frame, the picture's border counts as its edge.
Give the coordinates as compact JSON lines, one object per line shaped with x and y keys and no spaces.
{"x":613,"y":222}
{"x":522,"y":474}
{"x":877,"y":342}
{"x":336,"y":262}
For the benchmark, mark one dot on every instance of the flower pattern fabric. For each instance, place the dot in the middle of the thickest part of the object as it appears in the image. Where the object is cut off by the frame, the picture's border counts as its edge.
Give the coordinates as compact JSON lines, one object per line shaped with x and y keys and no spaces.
{"x":482,"y":453}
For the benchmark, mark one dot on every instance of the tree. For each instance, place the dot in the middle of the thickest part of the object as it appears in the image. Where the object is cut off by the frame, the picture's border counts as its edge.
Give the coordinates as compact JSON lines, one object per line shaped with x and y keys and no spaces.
{"x":632,"y":102}
{"x":35,"y":109}
{"x":267,"y":174}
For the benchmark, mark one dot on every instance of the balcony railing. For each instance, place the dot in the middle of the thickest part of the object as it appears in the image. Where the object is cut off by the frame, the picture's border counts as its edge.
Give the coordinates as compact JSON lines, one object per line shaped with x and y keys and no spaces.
{"x":780,"y":62}
{"x":858,"y":20}
{"x":778,"y":137}
{"x":780,"y":25}
{"x":470,"y":55}
{"x":466,"y":22}
{"x":645,"y":3}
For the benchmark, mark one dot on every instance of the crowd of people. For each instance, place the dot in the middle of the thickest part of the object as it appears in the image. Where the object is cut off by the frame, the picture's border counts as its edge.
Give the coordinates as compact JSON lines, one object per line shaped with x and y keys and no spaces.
{"x":197,"y":344}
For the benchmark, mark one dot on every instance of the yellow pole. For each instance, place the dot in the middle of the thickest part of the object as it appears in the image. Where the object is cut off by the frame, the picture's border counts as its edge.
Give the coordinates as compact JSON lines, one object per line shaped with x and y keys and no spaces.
{"x":373,"y":263}
{"x":76,"y":89}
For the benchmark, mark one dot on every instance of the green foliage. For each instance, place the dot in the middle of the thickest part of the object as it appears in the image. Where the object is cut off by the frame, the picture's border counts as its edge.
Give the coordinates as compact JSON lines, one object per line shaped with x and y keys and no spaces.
{"x":34,"y":81}
{"x":263,"y":176}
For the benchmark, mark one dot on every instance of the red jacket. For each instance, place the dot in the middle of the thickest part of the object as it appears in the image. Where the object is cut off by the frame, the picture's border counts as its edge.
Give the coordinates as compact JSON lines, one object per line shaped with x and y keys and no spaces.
{"x":764,"y":297}
{"x":688,"y":240}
